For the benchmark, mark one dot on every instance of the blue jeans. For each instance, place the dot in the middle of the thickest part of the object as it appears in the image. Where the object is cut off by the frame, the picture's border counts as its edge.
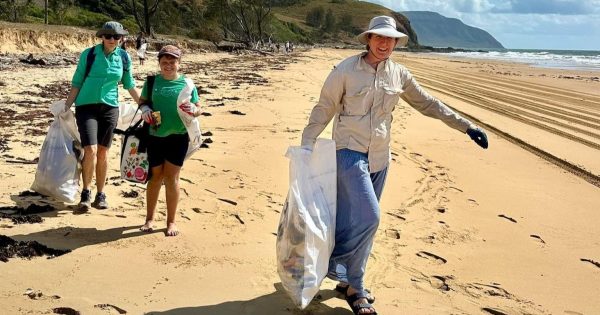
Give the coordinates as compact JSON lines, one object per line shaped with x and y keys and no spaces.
{"x":358,"y":194}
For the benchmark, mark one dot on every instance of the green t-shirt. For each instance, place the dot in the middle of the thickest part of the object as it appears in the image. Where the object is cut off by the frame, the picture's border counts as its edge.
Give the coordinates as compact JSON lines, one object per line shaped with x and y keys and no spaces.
{"x":100,"y":86}
{"x":164,"y":100}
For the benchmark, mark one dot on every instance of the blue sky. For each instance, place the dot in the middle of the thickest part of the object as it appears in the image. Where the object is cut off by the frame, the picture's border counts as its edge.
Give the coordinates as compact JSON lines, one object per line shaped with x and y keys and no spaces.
{"x":534,"y":24}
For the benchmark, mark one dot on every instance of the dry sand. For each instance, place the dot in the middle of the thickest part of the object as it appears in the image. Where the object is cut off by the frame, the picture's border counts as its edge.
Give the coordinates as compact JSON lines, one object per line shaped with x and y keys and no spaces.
{"x":508,"y":230}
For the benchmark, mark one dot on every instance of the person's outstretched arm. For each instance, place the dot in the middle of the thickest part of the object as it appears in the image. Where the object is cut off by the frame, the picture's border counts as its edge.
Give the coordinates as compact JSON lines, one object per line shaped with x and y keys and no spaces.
{"x":328,"y":105}
{"x":428,"y":105}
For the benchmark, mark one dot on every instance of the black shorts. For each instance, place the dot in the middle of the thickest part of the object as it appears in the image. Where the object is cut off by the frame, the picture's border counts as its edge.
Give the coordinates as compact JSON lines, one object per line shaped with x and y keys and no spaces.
{"x":96,"y":123}
{"x":171,"y":148}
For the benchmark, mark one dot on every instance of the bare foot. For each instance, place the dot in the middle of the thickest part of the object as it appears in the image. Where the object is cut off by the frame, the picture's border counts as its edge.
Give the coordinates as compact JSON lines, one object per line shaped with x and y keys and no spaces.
{"x":171,"y":230}
{"x":147,"y":227}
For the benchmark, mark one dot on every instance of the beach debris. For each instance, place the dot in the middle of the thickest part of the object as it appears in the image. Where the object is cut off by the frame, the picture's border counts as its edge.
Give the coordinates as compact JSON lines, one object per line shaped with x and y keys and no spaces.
{"x":207,"y":134}
{"x":33,"y":294}
{"x":206,"y":114}
{"x":228,"y":201}
{"x":130,"y":194}
{"x":538,"y":238}
{"x":31,"y":209}
{"x":207,"y":140}
{"x":441,"y":210}
{"x":237,"y":112}
{"x":29,"y":193}
{"x":20,"y":160}
{"x":65,"y":311}
{"x":427,"y":255}
{"x":210,"y":191}
{"x":507,"y":218}
{"x":21,"y":219}
{"x":33,"y":61}
{"x":4,"y":145}
{"x":595,"y":263}
{"x":10,"y":248}
{"x":217,"y":105}
{"x":55,"y":90}
{"x":37,"y":295}
{"x":237,"y":216}
{"x":107,"y":307}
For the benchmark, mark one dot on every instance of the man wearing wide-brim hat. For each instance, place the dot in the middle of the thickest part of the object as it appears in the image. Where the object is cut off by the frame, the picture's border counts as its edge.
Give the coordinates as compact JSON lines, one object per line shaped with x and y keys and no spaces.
{"x":361,"y":93}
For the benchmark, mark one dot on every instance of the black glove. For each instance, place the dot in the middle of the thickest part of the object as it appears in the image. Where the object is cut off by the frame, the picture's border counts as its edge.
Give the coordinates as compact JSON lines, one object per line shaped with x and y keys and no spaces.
{"x":479,"y":136}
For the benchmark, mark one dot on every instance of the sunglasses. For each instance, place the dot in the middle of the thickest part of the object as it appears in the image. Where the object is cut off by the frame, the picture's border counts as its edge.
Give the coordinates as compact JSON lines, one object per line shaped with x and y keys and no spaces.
{"x":112,"y":36}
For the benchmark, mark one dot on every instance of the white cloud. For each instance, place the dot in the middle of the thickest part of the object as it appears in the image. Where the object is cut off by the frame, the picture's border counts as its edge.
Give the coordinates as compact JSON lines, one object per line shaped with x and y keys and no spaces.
{"x":544,"y":24}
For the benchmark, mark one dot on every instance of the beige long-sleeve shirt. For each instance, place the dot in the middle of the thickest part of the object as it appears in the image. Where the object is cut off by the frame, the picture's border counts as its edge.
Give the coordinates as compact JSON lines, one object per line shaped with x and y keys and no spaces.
{"x":362,"y":100}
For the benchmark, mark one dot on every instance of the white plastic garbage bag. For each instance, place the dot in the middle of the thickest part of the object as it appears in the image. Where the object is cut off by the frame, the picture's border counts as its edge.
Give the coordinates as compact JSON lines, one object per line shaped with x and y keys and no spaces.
{"x":306,"y":233}
{"x":58,"y":167}
{"x":128,"y":114}
{"x":142,"y":51}
{"x":192,"y":124}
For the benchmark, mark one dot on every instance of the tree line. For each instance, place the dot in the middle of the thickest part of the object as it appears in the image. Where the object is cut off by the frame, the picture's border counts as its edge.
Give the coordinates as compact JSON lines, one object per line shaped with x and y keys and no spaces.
{"x":243,"y":21}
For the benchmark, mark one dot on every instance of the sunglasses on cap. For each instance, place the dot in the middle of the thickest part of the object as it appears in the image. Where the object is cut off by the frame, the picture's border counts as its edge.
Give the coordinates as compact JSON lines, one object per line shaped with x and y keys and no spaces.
{"x":112,"y":36}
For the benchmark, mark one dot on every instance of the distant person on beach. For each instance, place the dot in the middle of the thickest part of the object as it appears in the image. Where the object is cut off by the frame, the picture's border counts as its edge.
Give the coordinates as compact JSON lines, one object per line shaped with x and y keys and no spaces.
{"x":141,"y":45}
{"x":168,"y":140}
{"x":124,"y":42}
{"x":94,"y":90}
{"x":361,"y":93}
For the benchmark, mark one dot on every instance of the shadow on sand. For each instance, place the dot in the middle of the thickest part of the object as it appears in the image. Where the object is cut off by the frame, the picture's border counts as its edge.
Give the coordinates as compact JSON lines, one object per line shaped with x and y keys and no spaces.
{"x":276,"y":303}
{"x":74,"y":237}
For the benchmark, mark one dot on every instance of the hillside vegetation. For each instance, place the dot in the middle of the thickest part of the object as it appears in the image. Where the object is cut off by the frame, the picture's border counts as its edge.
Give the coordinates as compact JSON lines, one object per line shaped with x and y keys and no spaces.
{"x":248,"y":22}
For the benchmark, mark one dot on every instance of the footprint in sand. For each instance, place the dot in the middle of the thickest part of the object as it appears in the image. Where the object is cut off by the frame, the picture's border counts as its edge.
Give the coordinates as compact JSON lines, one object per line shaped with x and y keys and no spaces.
{"x":472,"y":202}
{"x":439,"y":282}
{"x":538,"y":238}
{"x":433,"y":257}
{"x":595,"y":263}
{"x":493,"y":311}
{"x":392,"y":233}
{"x":507,"y":218}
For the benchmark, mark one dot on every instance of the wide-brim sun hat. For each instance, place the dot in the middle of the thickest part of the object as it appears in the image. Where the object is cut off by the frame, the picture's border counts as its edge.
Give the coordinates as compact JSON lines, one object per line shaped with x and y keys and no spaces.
{"x":111,"y":28}
{"x":384,"y":26}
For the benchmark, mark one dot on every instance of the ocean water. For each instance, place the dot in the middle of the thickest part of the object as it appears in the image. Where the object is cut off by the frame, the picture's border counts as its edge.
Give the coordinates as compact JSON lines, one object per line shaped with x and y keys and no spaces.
{"x":558,"y":59}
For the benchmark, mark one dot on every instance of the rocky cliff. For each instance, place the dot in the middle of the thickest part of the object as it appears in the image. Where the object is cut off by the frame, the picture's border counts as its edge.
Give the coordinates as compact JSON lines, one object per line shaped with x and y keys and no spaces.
{"x":433,"y":29}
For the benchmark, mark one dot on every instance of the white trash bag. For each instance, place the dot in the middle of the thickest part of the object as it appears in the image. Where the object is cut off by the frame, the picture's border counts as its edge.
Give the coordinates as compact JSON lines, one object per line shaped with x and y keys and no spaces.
{"x":58,"y":167}
{"x":142,"y":51}
{"x":306,"y":233}
{"x":127,"y":115}
{"x":191,"y":123}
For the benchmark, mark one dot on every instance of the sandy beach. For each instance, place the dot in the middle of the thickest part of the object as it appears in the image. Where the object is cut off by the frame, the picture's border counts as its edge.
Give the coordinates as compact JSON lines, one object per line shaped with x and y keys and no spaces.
{"x":508,"y":230}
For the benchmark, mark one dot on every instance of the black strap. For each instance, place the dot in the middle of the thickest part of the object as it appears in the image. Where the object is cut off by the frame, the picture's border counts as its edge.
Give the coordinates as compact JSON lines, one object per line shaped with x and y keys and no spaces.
{"x":149,"y":87}
{"x":91,"y":56}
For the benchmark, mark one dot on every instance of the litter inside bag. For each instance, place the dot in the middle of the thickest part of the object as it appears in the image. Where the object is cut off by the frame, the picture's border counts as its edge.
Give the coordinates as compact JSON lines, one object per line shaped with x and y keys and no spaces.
{"x":306,"y":232}
{"x":58,"y":169}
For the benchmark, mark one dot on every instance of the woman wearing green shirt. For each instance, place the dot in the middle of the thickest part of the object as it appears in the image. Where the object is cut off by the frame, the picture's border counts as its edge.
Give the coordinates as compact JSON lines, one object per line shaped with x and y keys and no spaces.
{"x":94,"y":90}
{"x":168,"y":140}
